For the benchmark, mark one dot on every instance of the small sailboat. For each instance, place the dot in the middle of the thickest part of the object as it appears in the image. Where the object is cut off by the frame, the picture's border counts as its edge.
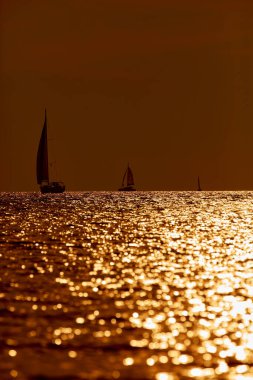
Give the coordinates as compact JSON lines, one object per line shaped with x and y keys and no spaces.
{"x":128,"y":181}
{"x":199,"y":187}
{"x":42,"y":166}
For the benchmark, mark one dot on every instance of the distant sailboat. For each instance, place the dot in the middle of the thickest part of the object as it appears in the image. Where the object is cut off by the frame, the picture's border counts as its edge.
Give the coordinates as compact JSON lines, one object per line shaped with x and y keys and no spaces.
{"x":199,"y":187}
{"x":42,"y":166}
{"x":128,"y":181}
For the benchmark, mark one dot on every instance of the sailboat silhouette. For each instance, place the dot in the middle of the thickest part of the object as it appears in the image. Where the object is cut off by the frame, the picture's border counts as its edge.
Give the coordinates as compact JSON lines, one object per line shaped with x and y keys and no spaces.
{"x":42,"y":165}
{"x":128,"y":180}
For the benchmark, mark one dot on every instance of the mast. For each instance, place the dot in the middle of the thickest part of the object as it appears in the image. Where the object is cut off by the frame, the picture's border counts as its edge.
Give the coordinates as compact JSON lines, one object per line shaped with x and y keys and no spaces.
{"x":130,"y":177}
{"x":124,"y":176}
{"x":42,"y":155}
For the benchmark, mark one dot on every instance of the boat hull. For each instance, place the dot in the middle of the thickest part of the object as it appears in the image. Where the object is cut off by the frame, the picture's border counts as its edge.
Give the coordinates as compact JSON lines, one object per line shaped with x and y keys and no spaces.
{"x":52,"y":187}
{"x":127,"y":188}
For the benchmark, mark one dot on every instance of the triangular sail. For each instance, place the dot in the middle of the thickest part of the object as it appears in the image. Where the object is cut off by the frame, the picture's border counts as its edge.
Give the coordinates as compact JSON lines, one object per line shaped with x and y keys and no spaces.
{"x":130,"y":177}
{"x":42,"y":156}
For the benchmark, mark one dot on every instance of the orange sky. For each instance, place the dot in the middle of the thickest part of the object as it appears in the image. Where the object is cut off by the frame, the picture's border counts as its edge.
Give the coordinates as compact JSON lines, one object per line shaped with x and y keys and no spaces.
{"x":166,"y":85}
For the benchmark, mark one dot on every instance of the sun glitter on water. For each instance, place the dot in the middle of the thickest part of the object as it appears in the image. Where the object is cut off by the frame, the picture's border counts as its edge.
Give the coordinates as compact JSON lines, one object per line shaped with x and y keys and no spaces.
{"x":112,"y":285}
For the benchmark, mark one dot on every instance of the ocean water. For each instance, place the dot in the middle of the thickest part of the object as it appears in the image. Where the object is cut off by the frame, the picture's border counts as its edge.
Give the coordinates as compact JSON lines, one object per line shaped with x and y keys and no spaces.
{"x":109,"y":285}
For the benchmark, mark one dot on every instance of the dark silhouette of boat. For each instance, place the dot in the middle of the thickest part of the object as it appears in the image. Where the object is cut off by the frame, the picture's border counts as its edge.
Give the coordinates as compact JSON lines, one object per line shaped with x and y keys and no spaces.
{"x":199,"y":187}
{"x":42,"y":166}
{"x":128,"y":181}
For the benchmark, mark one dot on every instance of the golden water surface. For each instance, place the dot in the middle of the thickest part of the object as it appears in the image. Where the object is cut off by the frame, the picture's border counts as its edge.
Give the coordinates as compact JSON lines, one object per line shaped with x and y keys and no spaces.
{"x":145,"y":285}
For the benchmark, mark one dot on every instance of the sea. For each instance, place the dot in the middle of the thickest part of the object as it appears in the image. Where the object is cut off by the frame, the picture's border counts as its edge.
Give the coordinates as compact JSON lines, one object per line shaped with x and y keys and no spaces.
{"x":138,"y":285}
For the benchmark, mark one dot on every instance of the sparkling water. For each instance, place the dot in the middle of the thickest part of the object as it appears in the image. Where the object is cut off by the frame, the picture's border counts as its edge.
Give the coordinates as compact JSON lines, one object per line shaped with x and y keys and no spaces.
{"x":114,"y":285}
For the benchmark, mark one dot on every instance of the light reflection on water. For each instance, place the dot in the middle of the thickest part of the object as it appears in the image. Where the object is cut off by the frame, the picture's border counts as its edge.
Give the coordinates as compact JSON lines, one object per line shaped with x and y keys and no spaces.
{"x":146,"y":285}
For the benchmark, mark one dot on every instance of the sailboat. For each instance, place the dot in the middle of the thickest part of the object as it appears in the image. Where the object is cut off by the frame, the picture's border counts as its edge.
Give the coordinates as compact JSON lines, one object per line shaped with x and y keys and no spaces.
{"x":42,"y":166}
{"x":199,"y":187}
{"x":128,"y":181}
